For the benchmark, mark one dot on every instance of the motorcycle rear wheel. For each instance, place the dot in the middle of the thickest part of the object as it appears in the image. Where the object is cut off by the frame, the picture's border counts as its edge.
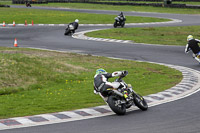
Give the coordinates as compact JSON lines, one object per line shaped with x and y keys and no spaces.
{"x":122,"y":25}
{"x":140,"y":102}
{"x":119,"y":109}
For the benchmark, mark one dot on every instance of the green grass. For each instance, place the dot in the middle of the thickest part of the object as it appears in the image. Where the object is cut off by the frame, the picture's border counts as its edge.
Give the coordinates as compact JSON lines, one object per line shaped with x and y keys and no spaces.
{"x":161,"y":2}
{"x":173,"y":2}
{"x":150,"y":35}
{"x":61,"y":17}
{"x":34,"y":81}
{"x":123,"y":8}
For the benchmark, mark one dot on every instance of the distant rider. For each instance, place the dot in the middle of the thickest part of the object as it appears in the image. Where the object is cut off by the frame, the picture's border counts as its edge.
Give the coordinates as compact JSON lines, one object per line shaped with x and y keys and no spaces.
{"x":101,"y":83}
{"x":193,"y":45}
{"x":28,"y":4}
{"x":121,"y":17}
{"x":75,"y":24}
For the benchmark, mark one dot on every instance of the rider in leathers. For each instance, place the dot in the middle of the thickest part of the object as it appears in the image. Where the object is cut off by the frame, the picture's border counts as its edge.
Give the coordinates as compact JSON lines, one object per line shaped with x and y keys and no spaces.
{"x":75,"y":24}
{"x":121,"y":17}
{"x":193,"y":45}
{"x":101,"y":83}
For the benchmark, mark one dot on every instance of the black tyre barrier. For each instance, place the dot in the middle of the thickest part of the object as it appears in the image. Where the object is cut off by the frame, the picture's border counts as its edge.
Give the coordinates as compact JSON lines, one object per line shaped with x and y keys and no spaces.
{"x":4,"y":5}
{"x":30,"y":1}
{"x":142,"y":4}
{"x":130,"y":2}
{"x":135,"y":4}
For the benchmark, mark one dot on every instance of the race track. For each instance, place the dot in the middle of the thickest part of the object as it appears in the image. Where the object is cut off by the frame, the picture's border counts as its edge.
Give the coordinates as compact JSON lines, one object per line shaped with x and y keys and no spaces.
{"x":181,"y":116}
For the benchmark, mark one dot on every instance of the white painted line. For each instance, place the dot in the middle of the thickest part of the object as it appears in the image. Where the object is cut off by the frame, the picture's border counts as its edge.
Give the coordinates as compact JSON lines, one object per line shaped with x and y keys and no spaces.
{"x":48,"y":117}
{"x":20,"y":24}
{"x":2,"y":126}
{"x":23,"y":120}
{"x":90,"y":111}
{"x":71,"y":114}
{"x":61,"y":24}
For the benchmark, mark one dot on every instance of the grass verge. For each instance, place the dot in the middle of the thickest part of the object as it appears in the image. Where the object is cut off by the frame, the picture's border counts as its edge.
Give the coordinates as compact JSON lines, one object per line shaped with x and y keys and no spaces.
{"x":35,"y":81}
{"x":123,"y":8}
{"x":160,"y":2}
{"x":61,"y":17}
{"x":174,"y":2}
{"x":150,"y":35}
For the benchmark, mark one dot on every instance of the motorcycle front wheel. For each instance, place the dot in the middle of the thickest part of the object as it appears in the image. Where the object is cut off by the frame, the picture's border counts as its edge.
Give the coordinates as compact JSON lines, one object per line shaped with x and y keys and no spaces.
{"x":113,"y":102}
{"x":66,"y":32}
{"x":140,"y":102}
{"x":115,"y":24}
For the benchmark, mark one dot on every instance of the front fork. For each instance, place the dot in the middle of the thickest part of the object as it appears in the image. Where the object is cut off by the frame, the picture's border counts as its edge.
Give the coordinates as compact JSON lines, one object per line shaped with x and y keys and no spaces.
{"x":196,"y":57}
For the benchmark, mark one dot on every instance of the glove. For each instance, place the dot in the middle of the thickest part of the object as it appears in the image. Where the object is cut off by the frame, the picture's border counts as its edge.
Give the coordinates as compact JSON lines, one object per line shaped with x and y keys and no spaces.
{"x":187,"y":49}
{"x":124,"y":73}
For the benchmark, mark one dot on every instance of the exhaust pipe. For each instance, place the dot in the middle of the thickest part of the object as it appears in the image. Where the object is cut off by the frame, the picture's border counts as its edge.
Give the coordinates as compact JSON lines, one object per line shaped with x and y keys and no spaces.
{"x":118,"y":93}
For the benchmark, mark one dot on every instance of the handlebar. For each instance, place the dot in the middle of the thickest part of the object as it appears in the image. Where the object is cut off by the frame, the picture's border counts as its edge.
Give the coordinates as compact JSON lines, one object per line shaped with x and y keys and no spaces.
{"x":124,"y":73}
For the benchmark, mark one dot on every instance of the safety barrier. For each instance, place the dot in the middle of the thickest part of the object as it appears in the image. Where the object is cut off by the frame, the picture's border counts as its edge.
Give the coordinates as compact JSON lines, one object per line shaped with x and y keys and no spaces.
{"x":127,"y":3}
{"x":30,"y":1}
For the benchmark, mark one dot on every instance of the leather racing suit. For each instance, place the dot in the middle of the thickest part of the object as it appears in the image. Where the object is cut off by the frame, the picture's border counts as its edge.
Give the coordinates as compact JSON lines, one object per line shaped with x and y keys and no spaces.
{"x":193,"y":45}
{"x":75,"y":24}
{"x":101,"y":83}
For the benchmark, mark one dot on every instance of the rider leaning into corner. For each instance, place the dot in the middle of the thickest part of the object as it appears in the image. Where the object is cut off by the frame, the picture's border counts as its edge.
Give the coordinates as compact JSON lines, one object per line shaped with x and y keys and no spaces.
{"x":101,"y":83}
{"x":75,"y":24}
{"x":193,"y":45}
{"x":121,"y":16}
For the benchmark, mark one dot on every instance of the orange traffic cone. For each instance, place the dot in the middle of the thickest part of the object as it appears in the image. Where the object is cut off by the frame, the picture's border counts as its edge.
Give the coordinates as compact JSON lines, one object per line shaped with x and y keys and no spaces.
{"x":25,"y":23}
{"x":13,"y":23}
{"x":4,"y":24}
{"x":32,"y":23}
{"x":15,"y":43}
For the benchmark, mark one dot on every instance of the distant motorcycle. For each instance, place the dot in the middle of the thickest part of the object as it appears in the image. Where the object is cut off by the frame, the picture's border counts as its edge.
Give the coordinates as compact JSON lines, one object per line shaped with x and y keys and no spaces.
{"x":119,"y":104}
{"x":69,"y":30}
{"x":119,"y":21}
{"x":28,"y":4}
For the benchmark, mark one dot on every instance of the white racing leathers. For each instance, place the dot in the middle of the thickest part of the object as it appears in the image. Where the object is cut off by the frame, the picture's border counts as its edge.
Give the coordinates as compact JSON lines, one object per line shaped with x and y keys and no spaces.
{"x":101,"y":83}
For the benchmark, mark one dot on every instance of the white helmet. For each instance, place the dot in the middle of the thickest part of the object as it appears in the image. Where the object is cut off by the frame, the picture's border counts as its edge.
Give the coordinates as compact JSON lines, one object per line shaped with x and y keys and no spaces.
{"x":76,"y":20}
{"x":190,"y":37}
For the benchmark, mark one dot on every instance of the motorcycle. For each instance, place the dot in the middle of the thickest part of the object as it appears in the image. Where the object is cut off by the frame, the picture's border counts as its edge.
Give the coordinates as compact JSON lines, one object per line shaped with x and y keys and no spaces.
{"x":28,"y":4}
{"x":69,"y":29}
{"x":119,"y":21}
{"x":117,"y":102}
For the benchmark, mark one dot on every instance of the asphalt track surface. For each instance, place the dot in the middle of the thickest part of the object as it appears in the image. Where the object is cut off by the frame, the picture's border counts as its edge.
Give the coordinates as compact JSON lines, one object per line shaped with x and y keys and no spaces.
{"x":181,"y":116}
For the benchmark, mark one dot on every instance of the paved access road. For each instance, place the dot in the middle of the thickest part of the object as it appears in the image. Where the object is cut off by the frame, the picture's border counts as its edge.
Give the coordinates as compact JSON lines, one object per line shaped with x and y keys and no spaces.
{"x":180,"y":116}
